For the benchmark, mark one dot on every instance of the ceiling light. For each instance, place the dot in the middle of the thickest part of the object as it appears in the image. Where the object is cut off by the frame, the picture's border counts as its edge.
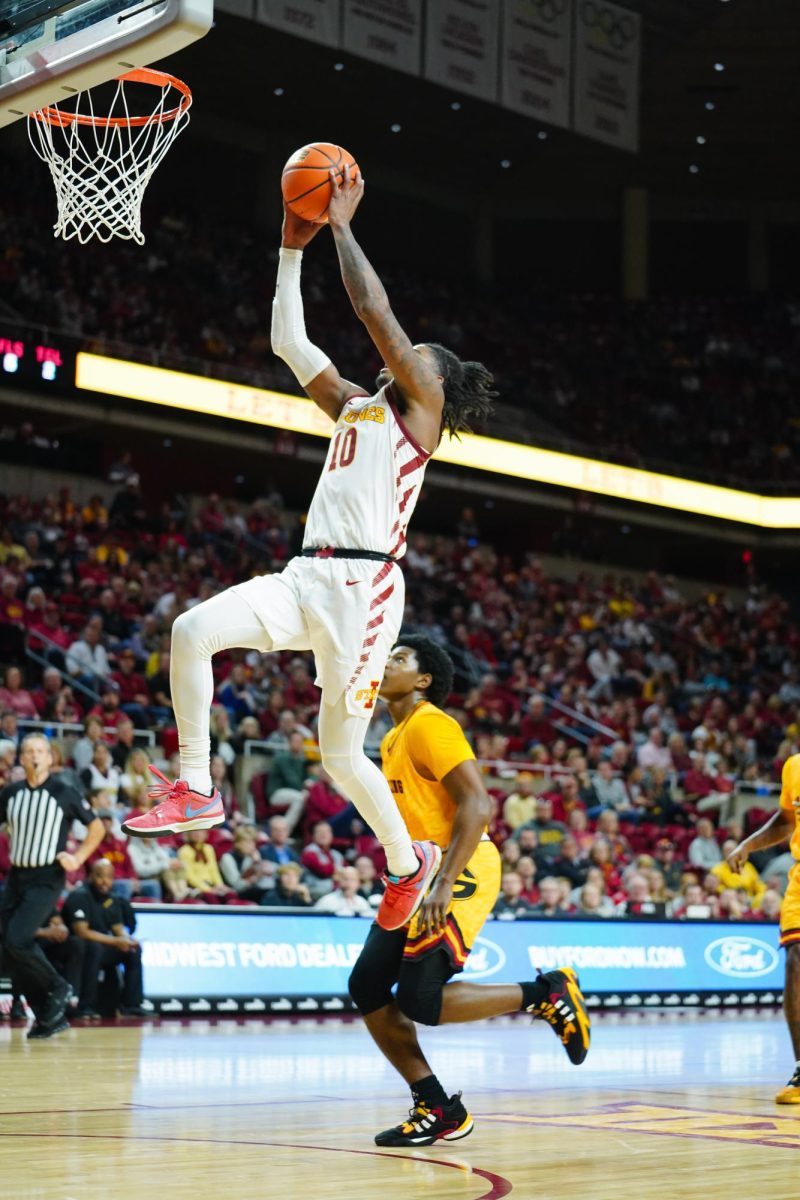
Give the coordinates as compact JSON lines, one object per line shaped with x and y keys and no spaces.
{"x":277,"y":91}
{"x":338,"y":66}
{"x":701,"y":141}
{"x":542,"y":136}
{"x":456,"y":105}
{"x":694,"y":169}
{"x":710,"y":106}
{"x":719,"y":66}
{"x":505,"y":163}
{"x":395,"y":128}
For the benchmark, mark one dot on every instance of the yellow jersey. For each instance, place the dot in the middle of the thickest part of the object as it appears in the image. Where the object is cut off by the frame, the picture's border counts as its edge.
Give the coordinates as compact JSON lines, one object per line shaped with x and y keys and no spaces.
{"x":790,"y":797}
{"x":417,"y":755}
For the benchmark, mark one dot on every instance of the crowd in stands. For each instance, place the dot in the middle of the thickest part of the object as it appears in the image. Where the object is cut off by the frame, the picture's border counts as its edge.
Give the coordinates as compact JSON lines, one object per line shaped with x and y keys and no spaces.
{"x":614,"y":718}
{"x":712,"y":378}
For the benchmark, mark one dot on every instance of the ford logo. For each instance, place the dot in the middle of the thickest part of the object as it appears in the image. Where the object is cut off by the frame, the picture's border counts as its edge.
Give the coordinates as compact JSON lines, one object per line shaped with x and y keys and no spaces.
{"x":485,"y":959}
{"x":741,"y":957}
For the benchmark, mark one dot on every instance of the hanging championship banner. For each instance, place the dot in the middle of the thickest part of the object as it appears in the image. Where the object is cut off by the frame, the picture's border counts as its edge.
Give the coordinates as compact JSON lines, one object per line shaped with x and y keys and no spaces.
{"x":535,"y":59}
{"x":317,"y":20}
{"x":461,"y":42}
{"x":387,"y":31}
{"x":608,"y":42}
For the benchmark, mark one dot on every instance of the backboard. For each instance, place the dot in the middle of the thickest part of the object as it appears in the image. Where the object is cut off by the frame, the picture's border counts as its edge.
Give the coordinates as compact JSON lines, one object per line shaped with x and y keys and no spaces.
{"x":51,"y":49}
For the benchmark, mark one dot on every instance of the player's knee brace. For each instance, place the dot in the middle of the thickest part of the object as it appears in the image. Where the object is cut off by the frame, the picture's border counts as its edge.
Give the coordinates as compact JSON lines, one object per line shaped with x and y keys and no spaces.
{"x":420,"y":1000}
{"x":369,"y":991}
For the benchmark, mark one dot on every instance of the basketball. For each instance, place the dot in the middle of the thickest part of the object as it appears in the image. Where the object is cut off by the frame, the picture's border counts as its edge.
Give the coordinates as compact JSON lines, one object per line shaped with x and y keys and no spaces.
{"x":305,"y":184}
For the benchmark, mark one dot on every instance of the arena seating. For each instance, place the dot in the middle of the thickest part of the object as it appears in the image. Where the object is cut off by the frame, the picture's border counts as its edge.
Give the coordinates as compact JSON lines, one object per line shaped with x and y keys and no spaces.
{"x":692,"y":703}
{"x":710,"y":377}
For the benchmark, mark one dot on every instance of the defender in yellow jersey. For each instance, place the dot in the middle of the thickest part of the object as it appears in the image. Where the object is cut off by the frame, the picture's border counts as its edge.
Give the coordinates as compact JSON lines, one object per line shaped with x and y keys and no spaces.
{"x":438,"y":788}
{"x":785,"y":823}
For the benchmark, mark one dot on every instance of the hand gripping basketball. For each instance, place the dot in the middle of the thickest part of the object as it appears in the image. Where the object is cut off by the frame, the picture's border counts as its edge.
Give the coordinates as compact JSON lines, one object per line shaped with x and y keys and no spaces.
{"x":345,"y":197}
{"x":296,"y":232}
{"x":305,"y":181}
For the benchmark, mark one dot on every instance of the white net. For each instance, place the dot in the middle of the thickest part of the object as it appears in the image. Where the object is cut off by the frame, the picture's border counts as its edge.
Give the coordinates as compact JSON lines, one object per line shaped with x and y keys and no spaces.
{"x":101,"y":164}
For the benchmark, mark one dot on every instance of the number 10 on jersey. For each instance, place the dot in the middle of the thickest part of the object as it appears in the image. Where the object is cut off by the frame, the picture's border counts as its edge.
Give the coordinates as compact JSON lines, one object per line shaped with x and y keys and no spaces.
{"x":344,"y":448}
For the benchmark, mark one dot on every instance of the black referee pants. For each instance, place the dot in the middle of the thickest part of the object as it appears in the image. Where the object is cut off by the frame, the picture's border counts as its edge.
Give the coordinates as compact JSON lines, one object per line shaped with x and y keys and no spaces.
{"x":30,"y":895}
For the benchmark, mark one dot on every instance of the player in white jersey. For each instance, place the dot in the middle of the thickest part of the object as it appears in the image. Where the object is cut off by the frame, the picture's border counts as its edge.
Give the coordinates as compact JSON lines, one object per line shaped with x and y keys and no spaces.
{"x":342,"y":597}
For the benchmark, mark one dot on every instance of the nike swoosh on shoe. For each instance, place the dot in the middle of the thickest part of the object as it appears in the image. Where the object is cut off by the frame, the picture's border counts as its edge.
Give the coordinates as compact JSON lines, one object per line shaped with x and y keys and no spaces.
{"x":195,"y":812}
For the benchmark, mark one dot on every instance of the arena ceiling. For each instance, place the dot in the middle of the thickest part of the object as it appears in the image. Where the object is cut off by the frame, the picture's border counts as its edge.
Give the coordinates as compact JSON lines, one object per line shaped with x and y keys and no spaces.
{"x":749,"y":156}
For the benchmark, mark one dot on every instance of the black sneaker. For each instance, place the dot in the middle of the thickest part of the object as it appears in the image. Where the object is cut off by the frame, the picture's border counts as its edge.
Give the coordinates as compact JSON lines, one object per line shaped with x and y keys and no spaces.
{"x":55,"y":1004}
{"x":426,"y":1125}
{"x":38,"y":1030}
{"x":18,"y":1011}
{"x":565,"y":1010}
{"x":136,"y":1010}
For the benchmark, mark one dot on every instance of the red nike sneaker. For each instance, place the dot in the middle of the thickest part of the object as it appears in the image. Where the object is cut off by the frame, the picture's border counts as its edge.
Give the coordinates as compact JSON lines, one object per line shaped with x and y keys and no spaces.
{"x":404,"y":895}
{"x":180,"y":810}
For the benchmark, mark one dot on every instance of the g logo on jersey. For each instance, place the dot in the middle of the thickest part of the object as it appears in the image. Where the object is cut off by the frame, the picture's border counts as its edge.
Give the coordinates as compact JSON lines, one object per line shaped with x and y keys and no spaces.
{"x":619,"y":30}
{"x":465,"y":886}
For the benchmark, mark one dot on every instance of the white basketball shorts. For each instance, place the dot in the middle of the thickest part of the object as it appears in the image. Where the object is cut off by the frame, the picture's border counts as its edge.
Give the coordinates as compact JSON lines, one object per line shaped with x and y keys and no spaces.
{"x":348,"y":611}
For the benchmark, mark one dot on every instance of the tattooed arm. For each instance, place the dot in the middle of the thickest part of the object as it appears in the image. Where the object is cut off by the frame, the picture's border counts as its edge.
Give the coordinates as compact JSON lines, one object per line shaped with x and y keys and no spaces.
{"x":413,"y":372}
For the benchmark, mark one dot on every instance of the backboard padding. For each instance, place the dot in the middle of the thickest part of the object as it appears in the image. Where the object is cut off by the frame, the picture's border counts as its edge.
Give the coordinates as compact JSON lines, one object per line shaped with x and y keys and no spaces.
{"x":90,"y":43}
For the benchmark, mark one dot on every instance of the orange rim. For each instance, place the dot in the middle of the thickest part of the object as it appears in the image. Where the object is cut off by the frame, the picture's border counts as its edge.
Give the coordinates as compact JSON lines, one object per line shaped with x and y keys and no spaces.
{"x":54,"y":116}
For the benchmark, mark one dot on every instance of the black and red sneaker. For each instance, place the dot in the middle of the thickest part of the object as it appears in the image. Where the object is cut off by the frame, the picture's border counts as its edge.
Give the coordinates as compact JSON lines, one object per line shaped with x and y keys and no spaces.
{"x":445,"y":1123}
{"x":564,"y":1009}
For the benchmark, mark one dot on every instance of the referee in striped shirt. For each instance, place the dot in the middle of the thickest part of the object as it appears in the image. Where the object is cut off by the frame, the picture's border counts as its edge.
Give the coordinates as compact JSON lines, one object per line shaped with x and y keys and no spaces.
{"x":39,"y":811}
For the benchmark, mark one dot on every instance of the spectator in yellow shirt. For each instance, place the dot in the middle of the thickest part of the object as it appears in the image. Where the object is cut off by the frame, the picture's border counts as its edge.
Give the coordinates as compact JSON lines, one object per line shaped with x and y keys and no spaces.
{"x":746,"y":879}
{"x":520,"y":805}
{"x":202,"y":869}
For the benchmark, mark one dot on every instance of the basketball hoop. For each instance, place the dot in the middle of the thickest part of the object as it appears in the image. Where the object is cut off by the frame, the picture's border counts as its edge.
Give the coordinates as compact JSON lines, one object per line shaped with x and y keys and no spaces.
{"x":101,"y":165}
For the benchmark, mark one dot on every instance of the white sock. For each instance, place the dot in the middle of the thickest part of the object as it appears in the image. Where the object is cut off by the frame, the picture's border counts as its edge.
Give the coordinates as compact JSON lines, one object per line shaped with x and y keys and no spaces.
{"x":198,"y":780}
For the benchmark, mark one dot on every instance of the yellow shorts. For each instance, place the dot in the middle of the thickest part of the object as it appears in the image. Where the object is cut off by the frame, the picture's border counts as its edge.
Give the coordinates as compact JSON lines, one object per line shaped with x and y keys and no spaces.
{"x":790,"y":909}
{"x":474,"y":896}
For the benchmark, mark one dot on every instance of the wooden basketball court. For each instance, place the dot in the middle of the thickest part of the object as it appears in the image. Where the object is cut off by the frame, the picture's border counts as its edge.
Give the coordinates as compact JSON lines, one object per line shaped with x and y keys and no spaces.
{"x":665,"y":1106}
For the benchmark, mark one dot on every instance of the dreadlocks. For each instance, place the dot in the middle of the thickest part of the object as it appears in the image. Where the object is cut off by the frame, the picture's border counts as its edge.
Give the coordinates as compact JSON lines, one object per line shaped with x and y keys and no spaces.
{"x":433,"y":661}
{"x":468,"y":390}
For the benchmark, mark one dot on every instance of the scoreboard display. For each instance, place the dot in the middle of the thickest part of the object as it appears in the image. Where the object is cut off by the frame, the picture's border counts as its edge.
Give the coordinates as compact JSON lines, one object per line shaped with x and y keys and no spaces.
{"x":31,"y":355}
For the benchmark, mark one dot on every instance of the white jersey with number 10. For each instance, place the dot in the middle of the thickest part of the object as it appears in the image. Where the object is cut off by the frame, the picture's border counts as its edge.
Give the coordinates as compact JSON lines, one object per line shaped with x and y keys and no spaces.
{"x":370,"y":482}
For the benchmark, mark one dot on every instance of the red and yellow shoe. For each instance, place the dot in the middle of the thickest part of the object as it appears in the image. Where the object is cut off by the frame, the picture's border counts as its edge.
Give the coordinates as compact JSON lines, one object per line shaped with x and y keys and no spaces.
{"x":427,"y":1125}
{"x":565,"y":1012}
{"x":180,"y":810}
{"x":791,"y":1093}
{"x":404,"y":895}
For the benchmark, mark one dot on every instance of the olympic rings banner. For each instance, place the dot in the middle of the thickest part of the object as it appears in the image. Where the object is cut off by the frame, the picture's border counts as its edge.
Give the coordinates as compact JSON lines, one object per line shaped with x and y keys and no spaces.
{"x":204,"y":960}
{"x":608,"y":42}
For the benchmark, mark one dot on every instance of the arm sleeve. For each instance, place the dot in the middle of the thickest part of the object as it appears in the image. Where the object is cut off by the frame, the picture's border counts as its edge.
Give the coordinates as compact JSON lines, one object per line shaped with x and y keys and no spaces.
{"x":4,"y":794}
{"x":436,"y":744}
{"x":289,"y":339}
